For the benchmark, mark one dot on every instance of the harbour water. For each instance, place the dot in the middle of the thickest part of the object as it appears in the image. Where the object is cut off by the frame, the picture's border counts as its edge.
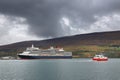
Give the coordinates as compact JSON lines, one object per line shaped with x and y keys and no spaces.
{"x":60,"y":69}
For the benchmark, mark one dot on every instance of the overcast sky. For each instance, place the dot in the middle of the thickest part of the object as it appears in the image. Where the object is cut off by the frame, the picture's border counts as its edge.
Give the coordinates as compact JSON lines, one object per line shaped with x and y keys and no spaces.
{"x":22,"y":20}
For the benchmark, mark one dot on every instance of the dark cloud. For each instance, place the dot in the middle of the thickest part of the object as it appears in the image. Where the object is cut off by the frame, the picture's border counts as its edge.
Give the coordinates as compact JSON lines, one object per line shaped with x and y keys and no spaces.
{"x":43,"y":16}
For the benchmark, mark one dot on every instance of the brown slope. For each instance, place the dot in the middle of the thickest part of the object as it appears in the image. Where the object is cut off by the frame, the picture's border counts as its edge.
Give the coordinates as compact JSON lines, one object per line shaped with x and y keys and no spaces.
{"x":100,"y":38}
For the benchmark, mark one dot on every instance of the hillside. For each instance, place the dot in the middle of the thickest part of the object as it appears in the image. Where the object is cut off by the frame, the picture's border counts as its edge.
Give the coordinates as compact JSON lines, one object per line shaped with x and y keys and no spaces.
{"x":70,"y":43}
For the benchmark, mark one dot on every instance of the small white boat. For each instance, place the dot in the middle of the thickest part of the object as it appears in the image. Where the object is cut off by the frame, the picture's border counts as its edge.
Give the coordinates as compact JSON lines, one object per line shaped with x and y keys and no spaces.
{"x":100,"y":58}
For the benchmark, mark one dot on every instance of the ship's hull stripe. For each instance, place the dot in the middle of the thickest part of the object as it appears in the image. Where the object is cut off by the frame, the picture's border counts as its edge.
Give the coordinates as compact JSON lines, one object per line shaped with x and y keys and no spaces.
{"x":44,"y":57}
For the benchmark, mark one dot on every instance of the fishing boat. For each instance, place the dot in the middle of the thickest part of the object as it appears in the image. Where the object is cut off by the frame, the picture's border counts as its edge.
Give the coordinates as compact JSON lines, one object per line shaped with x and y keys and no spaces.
{"x":100,"y":57}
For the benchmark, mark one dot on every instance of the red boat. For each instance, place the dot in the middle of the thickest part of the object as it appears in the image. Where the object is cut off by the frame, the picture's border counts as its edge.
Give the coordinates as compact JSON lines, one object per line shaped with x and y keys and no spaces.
{"x":100,"y":58}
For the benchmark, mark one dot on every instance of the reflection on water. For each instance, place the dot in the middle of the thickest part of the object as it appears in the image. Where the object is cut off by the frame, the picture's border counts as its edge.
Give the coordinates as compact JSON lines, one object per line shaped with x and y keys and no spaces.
{"x":59,"y":69}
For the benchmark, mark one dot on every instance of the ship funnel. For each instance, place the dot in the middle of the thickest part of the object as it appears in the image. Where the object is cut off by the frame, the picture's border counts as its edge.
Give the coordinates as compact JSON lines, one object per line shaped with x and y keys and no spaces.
{"x":32,"y":46}
{"x":51,"y":47}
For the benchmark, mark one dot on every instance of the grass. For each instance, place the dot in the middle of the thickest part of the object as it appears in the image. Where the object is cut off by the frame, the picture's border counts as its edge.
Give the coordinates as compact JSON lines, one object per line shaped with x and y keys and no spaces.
{"x":88,"y":51}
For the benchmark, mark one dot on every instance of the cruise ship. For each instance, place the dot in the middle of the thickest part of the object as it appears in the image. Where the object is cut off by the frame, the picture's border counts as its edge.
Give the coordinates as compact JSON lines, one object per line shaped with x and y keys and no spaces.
{"x":51,"y":53}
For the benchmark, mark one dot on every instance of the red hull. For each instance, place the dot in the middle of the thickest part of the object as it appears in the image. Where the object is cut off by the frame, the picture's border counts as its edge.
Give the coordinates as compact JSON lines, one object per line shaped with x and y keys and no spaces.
{"x":100,"y":59}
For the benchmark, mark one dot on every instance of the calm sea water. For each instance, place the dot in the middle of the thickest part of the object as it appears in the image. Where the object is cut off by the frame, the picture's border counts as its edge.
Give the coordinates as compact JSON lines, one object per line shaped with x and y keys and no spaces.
{"x":59,"y":69}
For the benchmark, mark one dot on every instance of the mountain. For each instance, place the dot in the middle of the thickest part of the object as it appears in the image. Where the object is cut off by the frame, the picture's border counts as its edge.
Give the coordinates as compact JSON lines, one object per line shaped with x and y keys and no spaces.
{"x":72,"y":42}
{"x":97,"y":38}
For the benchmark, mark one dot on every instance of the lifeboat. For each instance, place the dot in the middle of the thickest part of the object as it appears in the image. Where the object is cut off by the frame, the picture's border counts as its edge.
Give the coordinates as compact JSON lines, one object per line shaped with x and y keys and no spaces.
{"x":100,"y":58}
